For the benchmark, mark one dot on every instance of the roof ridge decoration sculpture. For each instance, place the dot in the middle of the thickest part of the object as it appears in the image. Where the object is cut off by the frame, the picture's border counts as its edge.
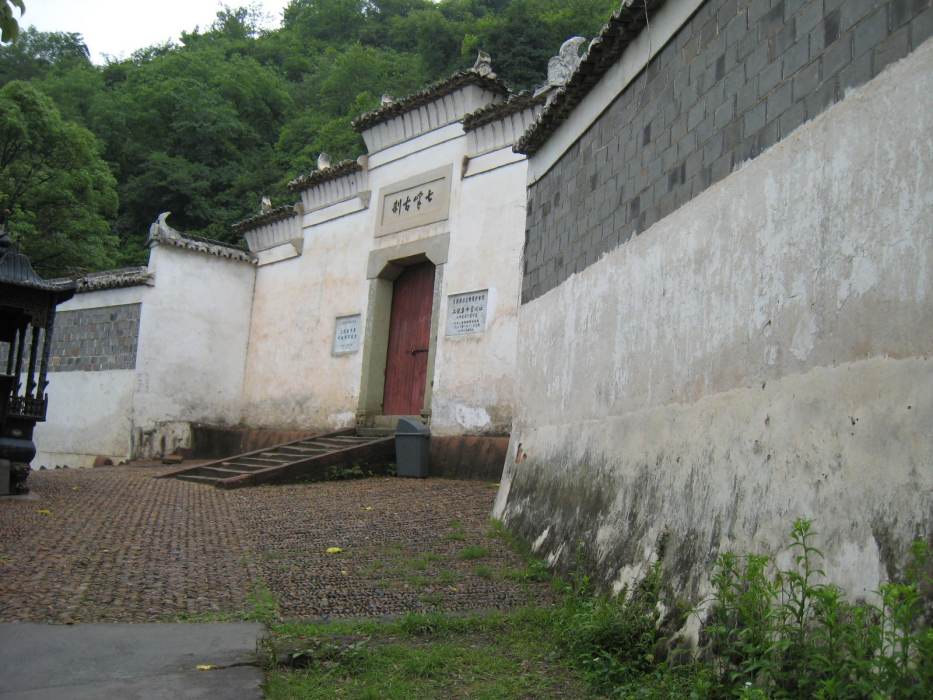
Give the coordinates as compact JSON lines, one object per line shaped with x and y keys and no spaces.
{"x":161,"y":233}
{"x":617,"y":34}
{"x":559,"y":70}
{"x":481,"y":74}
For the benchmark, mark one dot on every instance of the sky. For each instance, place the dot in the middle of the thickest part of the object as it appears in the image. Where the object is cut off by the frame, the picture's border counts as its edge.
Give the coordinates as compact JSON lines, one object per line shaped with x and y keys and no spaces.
{"x":118,"y":27}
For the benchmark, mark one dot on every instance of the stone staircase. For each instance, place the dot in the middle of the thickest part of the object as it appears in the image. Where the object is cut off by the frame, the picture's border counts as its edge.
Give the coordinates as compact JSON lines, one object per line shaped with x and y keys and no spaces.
{"x":309,"y":459}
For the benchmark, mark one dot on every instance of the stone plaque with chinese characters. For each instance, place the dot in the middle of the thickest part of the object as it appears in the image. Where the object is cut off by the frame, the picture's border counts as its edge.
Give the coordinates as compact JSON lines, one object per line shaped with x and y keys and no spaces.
{"x":347,"y":334}
{"x":415,"y":201}
{"x":466,"y":313}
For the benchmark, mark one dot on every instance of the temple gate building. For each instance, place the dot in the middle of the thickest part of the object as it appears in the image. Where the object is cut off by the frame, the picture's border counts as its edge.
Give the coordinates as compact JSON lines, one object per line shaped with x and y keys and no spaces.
{"x":693,"y":303}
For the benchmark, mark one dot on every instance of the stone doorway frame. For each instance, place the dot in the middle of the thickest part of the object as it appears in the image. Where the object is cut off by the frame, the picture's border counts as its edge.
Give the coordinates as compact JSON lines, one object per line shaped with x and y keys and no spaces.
{"x":382,"y":269}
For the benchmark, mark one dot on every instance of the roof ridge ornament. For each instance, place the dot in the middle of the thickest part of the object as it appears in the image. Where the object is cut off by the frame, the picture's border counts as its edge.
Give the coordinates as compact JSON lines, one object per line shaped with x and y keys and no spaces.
{"x":160,"y":230}
{"x":483,"y":65}
{"x":561,"y":67}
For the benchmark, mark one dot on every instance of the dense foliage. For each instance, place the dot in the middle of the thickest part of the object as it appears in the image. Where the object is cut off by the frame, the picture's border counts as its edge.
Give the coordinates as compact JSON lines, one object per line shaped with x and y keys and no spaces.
{"x":204,"y":128}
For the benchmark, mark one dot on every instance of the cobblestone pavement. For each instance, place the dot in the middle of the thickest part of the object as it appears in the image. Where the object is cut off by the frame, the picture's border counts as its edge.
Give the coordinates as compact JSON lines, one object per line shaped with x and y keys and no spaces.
{"x":115,"y":544}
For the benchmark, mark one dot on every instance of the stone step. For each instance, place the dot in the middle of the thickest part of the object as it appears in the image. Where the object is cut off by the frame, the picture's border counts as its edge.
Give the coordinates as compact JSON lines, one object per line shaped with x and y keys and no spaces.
{"x":243,"y":467}
{"x":293,"y":456}
{"x":198,"y":479}
{"x":264,"y":458}
{"x":329,"y":445}
{"x":222,"y":472}
{"x":370,"y":433}
{"x":297,"y":460}
{"x":299,"y":449}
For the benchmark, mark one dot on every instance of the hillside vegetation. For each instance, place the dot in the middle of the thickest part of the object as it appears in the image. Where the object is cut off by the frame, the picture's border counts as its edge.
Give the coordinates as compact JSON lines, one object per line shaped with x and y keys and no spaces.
{"x":90,"y":155}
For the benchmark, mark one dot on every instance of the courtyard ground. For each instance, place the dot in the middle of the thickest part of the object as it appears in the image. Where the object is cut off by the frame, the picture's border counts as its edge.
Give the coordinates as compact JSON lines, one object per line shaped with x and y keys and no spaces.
{"x":114,"y":544}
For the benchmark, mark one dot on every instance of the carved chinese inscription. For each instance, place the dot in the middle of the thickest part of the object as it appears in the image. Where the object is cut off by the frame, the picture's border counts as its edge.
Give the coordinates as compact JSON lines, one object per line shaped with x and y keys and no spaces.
{"x":416,"y":201}
{"x":346,"y":334}
{"x":413,"y":203}
{"x":466,"y":313}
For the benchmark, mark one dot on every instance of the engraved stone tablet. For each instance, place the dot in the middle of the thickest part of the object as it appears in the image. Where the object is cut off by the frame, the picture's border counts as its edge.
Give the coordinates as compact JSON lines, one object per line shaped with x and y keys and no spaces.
{"x":466,"y":313}
{"x":416,"y":201}
{"x":347,"y":334}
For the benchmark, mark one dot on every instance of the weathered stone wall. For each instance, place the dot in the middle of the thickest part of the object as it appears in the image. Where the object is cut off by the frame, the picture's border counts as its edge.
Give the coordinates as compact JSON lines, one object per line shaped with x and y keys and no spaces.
{"x":762,"y":353}
{"x":737,"y":78}
{"x":94,"y":340}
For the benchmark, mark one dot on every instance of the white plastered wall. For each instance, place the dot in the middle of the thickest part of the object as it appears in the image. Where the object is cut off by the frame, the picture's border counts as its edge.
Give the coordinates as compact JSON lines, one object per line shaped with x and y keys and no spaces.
{"x":761,"y":354}
{"x":194,"y":329}
{"x":474,"y":373}
{"x":293,"y":381}
{"x":90,"y":414}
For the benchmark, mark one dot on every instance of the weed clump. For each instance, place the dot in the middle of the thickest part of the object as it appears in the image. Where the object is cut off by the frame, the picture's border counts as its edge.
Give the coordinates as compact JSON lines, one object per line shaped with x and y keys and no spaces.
{"x":789,"y":634}
{"x":770,"y":633}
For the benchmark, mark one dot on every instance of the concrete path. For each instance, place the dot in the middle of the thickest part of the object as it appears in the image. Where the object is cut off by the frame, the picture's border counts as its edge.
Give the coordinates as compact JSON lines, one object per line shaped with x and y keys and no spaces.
{"x":128,"y":661}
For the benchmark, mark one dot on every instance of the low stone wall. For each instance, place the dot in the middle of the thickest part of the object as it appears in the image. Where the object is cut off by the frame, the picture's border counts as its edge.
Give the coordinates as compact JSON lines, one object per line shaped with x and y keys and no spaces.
{"x":467,"y":457}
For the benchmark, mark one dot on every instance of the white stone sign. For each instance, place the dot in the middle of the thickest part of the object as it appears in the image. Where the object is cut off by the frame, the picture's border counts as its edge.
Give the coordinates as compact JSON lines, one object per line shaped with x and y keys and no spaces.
{"x":466,"y":313}
{"x":346,"y":334}
{"x":415,"y":201}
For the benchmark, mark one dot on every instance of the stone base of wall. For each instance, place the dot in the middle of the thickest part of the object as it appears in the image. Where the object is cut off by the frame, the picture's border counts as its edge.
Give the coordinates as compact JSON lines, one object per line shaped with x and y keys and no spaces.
{"x":468,"y":457}
{"x":216,"y":442}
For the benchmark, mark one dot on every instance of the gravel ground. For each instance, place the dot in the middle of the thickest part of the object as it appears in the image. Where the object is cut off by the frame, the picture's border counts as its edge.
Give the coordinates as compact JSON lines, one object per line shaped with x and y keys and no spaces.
{"x":115,"y":544}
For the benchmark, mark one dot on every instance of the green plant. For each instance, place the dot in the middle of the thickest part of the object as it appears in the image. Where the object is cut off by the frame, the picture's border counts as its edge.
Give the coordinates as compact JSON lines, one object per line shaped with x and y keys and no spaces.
{"x":611,"y":638}
{"x":483,"y":571}
{"x":340,"y":472}
{"x":473,"y":552}
{"x":791,"y":635}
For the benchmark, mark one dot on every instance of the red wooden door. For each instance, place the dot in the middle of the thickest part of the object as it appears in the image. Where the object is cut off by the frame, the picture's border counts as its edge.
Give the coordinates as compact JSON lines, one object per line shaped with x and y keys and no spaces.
{"x":409,"y":336}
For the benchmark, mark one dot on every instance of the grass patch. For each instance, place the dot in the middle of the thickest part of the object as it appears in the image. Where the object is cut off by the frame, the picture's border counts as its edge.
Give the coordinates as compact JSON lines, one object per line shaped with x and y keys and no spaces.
{"x":483,"y":571}
{"x":768,"y":633}
{"x":457,"y":533}
{"x":261,"y":606}
{"x":472,"y":552}
{"x":433,"y":655}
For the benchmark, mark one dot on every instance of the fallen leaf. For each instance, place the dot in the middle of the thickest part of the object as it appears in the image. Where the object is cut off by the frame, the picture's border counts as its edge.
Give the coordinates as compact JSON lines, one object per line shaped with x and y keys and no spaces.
{"x":44,"y":511}
{"x":205,"y":667}
{"x":344,"y":572}
{"x":334,"y":550}
{"x":367,"y":507}
{"x":74,"y":488}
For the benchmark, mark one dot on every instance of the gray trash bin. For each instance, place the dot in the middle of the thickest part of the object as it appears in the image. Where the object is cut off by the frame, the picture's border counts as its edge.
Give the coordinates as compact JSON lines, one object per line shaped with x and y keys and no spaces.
{"x":411,"y":448}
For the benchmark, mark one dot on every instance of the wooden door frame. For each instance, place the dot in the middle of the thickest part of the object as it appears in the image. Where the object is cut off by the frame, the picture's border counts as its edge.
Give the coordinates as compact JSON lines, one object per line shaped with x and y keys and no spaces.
{"x":385,"y":265}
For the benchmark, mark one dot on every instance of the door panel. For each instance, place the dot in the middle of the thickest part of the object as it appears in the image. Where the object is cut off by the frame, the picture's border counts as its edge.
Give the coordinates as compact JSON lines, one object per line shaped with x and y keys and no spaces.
{"x":409,"y":338}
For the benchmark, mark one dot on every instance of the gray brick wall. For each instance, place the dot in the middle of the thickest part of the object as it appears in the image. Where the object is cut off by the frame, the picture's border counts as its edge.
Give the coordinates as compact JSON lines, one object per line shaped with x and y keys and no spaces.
{"x":738,"y":77}
{"x":90,"y":340}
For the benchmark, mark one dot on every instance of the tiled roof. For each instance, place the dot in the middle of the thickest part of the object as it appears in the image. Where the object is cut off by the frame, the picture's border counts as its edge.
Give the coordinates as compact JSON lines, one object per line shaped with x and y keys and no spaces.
{"x":491,"y":113}
{"x":429,"y":94}
{"x":16,"y":270}
{"x":161,"y":232}
{"x":604,"y":51}
{"x":286,"y":211}
{"x":111,"y":279}
{"x":316,"y":177}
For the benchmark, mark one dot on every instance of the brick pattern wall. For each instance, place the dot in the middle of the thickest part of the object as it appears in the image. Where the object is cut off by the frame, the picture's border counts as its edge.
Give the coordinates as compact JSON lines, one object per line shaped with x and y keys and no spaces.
{"x":91,"y":340}
{"x":738,"y":77}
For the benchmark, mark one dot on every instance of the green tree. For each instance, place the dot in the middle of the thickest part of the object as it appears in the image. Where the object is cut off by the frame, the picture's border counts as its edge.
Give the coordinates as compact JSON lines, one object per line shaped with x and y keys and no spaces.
{"x":57,"y":195}
{"x":33,"y":54}
{"x":8,"y":24}
{"x":194,"y":132}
